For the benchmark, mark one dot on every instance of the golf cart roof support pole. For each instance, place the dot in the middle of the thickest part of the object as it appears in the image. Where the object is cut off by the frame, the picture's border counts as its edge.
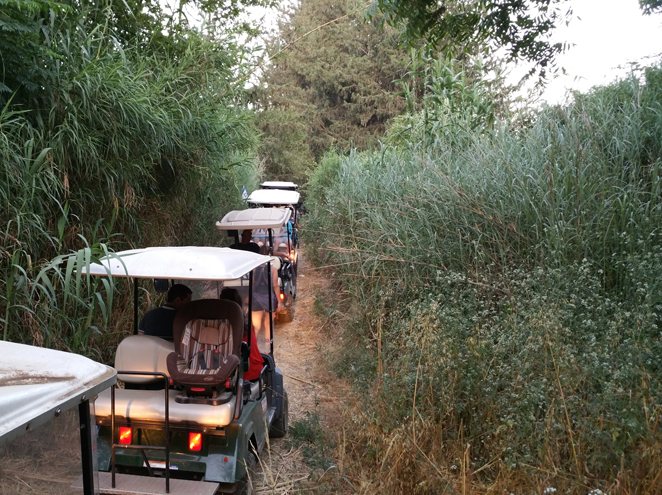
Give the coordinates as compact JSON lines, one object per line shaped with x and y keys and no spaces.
{"x":271,"y":309}
{"x":250,"y":307}
{"x":87,"y":461}
{"x":112,"y":436}
{"x":135,"y":306}
{"x":270,"y":232}
{"x":166,"y":382}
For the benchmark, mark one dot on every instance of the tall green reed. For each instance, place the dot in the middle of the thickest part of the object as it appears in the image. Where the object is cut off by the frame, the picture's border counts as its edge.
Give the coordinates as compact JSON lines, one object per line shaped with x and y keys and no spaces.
{"x":131,"y":147}
{"x":513,"y":274}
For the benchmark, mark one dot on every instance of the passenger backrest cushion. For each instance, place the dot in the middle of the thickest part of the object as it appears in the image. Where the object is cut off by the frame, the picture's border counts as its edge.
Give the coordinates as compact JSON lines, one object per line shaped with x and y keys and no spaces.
{"x":205,"y":343}
{"x":203,"y":321}
{"x":142,"y":353}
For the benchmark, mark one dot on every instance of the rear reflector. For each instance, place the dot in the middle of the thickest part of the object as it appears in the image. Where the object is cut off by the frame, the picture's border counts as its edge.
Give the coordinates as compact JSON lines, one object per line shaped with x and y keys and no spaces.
{"x":197,"y":389}
{"x":194,"y":441}
{"x":125,"y":435}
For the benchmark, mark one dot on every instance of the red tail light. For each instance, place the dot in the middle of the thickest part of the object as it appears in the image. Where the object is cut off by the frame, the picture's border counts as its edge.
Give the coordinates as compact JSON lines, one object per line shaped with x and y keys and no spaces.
{"x":126,"y":435}
{"x":194,"y":441}
{"x":282,"y":296}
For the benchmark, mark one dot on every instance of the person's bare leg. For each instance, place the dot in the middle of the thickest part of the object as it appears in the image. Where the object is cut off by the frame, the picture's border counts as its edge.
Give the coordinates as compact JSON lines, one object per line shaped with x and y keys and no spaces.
{"x":260,"y":329}
{"x":267,"y":333}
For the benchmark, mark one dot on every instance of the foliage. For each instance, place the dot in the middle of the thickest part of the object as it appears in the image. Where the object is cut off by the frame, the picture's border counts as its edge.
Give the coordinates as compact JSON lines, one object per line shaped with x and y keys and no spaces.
{"x":509,"y":289}
{"x":651,"y":6}
{"x":307,"y":434}
{"x":23,"y":27}
{"x":123,"y":144}
{"x":443,"y":94}
{"x":329,"y":83}
{"x":520,"y":26}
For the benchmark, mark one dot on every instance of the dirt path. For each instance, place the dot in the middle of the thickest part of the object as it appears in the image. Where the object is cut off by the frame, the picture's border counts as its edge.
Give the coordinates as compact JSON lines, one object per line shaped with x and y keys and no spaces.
{"x":47,"y":460}
{"x":304,"y":460}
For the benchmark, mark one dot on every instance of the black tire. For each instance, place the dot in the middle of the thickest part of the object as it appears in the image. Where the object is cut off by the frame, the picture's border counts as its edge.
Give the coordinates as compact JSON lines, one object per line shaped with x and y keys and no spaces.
{"x":279,"y":426}
{"x":245,"y":486}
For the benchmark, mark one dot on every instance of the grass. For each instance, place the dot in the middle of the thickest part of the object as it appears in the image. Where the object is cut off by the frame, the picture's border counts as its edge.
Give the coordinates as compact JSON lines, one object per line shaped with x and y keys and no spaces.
{"x":308,"y":434}
{"x":506,"y":284}
{"x":126,"y":147}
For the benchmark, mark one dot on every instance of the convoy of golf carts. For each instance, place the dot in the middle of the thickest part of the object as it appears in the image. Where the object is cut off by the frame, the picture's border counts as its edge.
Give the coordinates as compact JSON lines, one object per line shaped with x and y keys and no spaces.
{"x":178,"y":416}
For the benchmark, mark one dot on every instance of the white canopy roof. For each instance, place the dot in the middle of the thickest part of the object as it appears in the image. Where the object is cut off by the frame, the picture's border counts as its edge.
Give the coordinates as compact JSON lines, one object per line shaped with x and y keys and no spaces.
{"x":180,"y":263}
{"x":276,"y":197}
{"x":255,"y":218}
{"x":275,"y":184}
{"x":36,"y":384}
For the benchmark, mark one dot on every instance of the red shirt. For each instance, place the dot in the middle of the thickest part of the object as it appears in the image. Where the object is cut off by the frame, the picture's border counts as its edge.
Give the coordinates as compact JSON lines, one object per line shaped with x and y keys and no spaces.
{"x":255,"y":361}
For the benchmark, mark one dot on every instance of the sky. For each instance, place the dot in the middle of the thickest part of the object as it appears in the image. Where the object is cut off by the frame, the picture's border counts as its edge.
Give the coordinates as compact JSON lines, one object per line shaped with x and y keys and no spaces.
{"x":607,"y":36}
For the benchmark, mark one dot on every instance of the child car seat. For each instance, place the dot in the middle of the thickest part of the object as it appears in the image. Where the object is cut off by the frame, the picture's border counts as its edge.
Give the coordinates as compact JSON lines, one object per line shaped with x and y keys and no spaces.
{"x":207,"y":335}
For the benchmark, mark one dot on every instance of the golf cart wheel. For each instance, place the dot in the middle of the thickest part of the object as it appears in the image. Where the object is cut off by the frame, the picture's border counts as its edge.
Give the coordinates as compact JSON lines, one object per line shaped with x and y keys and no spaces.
{"x":245,"y":486}
{"x":279,"y":426}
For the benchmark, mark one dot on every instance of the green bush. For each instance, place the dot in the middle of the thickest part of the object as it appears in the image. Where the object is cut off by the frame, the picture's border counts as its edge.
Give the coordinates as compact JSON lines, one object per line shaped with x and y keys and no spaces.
{"x":515,"y":281}
{"x":127,"y":146}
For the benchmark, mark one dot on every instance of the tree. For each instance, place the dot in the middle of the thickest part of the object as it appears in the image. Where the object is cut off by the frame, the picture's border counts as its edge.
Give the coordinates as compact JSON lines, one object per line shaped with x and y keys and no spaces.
{"x":651,"y":6}
{"x":521,"y":26}
{"x":332,"y":80}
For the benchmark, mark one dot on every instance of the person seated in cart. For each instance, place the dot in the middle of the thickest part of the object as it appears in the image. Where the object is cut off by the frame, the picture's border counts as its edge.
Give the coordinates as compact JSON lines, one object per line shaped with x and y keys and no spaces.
{"x":246,"y":243}
{"x":158,"y":321}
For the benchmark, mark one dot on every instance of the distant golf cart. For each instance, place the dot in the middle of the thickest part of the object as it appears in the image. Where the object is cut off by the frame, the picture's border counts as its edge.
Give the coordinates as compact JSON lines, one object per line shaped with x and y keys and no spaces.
{"x":270,"y":227}
{"x":37,"y":385}
{"x":183,"y":410}
{"x":274,"y":184}
{"x":269,"y":198}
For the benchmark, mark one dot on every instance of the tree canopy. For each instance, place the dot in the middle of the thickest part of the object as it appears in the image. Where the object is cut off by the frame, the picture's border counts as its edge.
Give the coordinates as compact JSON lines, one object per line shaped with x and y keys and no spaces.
{"x":331,"y":82}
{"x":521,"y":26}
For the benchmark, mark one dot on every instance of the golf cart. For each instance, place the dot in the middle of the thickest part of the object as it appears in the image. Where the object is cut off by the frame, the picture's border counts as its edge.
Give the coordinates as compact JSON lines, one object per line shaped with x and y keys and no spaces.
{"x":271,"y":228}
{"x":182,"y":409}
{"x":37,"y":385}
{"x":286,"y":186}
{"x":268,"y":198}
